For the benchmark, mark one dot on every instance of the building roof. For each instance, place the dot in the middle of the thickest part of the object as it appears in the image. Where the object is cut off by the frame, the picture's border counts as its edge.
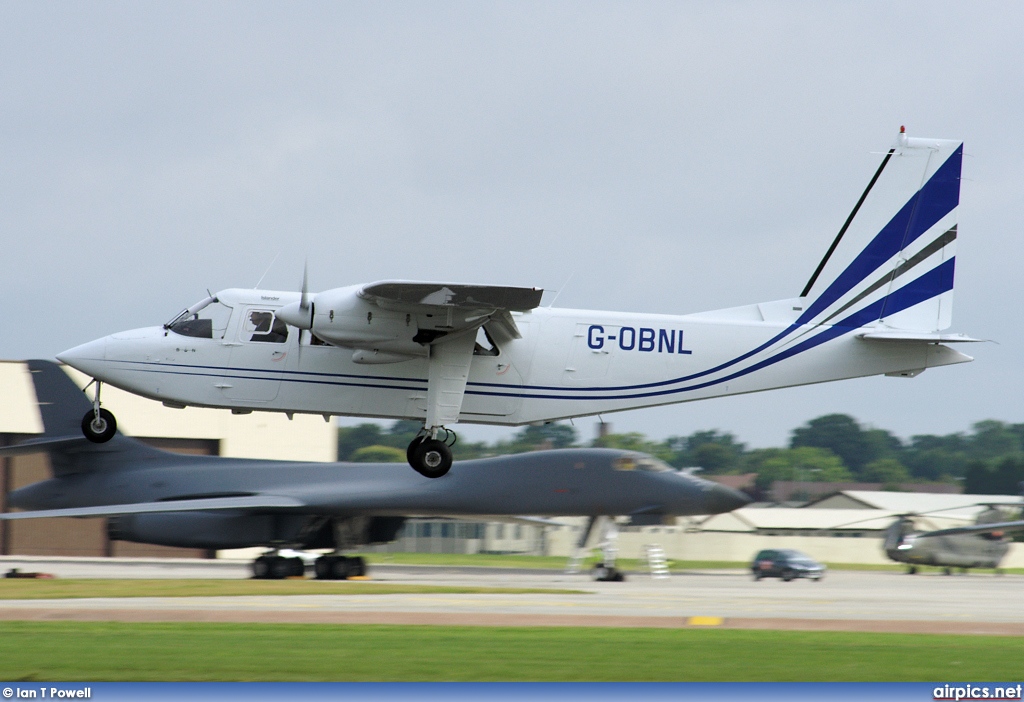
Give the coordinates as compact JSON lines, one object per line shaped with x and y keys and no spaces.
{"x":953,"y":506}
{"x":800,"y":518}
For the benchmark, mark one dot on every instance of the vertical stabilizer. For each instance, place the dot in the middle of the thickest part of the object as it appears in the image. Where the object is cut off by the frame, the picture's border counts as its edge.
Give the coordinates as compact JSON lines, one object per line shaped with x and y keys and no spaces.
{"x":892,"y":262}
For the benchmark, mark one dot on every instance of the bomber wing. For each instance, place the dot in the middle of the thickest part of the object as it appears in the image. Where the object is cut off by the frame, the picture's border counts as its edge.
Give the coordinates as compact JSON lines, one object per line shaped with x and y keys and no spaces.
{"x":198,"y":505}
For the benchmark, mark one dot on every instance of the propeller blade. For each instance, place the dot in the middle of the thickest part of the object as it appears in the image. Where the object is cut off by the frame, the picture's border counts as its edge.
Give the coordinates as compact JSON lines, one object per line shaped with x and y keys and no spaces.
{"x":304,"y":300}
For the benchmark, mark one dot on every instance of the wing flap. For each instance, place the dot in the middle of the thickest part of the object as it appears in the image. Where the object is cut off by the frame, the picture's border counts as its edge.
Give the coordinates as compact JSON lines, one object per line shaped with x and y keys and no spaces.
{"x":198,"y":505}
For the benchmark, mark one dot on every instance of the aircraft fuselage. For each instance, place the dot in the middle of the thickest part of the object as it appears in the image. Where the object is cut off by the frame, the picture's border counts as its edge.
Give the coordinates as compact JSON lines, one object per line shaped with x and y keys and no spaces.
{"x":567,"y":363}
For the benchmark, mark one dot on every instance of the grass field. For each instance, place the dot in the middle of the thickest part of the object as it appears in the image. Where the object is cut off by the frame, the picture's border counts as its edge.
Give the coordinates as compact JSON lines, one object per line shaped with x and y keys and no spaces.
{"x":19,"y":589}
{"x":43,"y":651}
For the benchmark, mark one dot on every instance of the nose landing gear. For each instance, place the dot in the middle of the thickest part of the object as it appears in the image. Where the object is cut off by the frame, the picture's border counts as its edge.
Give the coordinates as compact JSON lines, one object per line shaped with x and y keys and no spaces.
{"x":98,"y":424}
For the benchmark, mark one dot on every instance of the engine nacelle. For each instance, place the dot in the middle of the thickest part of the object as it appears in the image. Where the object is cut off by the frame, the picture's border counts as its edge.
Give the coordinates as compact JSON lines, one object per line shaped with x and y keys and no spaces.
{"x":211,"y":530}
{"x":208,"y":530}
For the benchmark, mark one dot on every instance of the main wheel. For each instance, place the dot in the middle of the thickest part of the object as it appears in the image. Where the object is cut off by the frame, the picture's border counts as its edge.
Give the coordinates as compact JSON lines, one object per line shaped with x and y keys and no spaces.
{"x":324,"y":567}
{"x":261,"y":568}
{"x":410,"y":453}
{"x":101,"y":429}
{"x":432,"y":458}
{"x":280,"y":567}
{"x":341,"y":569}
{"x":358,"y":567}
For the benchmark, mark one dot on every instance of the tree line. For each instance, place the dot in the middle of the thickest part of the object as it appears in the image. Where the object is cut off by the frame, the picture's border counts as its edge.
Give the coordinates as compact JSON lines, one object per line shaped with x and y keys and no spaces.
{"x":987,"y":460}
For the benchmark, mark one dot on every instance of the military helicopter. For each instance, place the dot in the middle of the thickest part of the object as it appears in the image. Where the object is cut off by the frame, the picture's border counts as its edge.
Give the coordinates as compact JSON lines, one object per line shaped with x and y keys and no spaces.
{"x":983,"y":544}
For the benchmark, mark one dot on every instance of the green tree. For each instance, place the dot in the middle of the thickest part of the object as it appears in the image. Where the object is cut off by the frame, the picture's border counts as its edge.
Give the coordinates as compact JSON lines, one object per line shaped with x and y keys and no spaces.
{"x":993,"y":439}
{"x":888,"y":471}
{"x":714,"y":451}
{"x":1003,"y":479}
{"x":352,"y":438}
{"x":803,"y":463}
{"x":840,"y":434}
{"x":378,"y":454}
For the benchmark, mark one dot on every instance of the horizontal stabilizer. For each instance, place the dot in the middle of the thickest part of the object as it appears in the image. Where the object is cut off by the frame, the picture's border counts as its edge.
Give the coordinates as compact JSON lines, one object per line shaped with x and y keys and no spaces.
{"x":201,"y":505}
{"x":921,"y":337}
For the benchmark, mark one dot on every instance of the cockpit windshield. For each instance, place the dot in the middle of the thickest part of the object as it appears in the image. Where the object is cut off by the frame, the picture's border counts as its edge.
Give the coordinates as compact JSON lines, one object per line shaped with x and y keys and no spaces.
{"x":207,"y":319}
{"x":641,"y":462}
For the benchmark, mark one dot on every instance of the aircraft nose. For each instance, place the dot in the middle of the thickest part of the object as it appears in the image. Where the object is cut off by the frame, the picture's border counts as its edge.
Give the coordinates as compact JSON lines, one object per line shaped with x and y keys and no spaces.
{"x":88,"y":358}
{"x":724,"y":499}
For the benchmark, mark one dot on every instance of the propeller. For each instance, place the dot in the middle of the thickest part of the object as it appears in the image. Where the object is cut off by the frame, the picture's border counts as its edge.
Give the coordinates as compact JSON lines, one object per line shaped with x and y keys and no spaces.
{"x":300,"y":314}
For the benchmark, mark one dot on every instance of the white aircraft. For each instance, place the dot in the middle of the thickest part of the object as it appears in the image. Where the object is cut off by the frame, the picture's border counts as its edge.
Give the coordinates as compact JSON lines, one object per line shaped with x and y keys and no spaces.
{"x":446,"y":353}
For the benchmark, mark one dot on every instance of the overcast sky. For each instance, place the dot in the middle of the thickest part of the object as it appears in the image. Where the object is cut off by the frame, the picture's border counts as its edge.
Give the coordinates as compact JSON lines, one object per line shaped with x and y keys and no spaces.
{"x":667,"y":157}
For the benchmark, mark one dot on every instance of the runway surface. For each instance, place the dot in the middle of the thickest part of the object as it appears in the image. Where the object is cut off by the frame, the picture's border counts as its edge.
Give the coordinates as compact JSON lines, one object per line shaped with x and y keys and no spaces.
{"x":844,"y":600}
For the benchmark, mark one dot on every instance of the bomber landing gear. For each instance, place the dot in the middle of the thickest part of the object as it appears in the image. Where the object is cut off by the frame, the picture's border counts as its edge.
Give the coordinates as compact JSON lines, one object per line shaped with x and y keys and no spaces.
{"x":429,"y":456}
{"x":275,"y":567}
{"x":335,"y":567}
{"x":98,"y":425}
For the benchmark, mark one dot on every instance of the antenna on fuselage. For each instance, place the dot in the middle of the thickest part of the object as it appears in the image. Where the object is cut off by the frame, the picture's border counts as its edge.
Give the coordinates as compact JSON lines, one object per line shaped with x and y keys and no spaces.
{"x":256,"y":287}
{"x":559,"y":291}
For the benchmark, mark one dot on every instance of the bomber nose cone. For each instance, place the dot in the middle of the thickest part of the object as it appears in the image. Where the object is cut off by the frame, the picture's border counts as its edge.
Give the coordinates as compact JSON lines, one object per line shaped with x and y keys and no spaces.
{"x":724,"y":499}
{"x":88,"y":358}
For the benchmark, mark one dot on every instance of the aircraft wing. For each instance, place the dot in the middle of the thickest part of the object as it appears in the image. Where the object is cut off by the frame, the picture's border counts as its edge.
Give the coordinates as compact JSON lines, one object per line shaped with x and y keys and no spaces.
{"x":979,"y":529}
{"x":496,"y":297}
{"x":493,"y":303}
{"x":199,"y":505}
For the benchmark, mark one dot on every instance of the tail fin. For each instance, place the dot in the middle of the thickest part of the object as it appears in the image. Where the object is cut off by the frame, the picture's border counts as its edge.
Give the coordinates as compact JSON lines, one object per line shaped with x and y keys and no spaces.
{"x":62,"y":405}
{"x":893,"y":259}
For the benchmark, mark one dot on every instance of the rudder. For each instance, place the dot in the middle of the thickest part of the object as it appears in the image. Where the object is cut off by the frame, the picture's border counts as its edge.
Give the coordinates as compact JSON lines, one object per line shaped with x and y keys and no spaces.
{"x":893,"y":260}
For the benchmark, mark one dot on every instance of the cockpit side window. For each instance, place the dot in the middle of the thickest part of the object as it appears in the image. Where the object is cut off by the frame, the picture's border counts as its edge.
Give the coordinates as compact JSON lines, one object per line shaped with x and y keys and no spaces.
{"x":207,"y":319}
{"x":641,"y":462}
{"x":262,"y":325}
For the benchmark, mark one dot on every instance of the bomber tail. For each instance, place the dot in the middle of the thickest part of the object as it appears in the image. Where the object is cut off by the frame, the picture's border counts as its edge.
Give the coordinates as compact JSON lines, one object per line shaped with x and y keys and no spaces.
{"x":891,"y":265}
{"x":62,"y":405}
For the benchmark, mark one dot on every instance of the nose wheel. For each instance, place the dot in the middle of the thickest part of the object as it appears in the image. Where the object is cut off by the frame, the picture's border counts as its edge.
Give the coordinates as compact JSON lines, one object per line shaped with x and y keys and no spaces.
{"x":98,"y":424}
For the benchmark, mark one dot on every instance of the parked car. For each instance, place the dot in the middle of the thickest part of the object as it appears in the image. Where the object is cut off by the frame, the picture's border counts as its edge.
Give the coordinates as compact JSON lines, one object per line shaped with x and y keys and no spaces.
{"x":787,"y":564}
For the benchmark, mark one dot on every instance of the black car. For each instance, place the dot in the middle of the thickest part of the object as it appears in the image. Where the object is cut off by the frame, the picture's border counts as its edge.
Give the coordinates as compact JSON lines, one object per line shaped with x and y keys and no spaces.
{"x":787,"y":564}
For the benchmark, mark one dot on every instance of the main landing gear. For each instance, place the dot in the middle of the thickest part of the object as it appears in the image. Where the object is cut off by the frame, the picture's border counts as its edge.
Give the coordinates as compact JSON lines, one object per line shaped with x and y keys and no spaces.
{"x":430,"y":456}
{"x":273,"y":566}
{"x":98,"y":424}
{"x":337,"y":567}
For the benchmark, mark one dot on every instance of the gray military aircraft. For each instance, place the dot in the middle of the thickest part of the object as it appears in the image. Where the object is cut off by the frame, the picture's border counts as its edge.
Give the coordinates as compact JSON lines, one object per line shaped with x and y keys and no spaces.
{"x":980,"y":545}
{"x":157,"y":497}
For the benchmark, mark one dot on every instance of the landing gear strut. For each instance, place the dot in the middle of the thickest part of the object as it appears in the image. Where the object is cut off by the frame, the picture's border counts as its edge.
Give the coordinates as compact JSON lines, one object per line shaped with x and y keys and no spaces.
{"x":429,"y":456}
{"x":98,"y":425}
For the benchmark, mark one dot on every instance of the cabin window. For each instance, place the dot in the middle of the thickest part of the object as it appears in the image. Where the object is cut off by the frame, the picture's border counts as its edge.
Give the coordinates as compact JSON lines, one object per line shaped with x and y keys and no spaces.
{"x":262,"y":325}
